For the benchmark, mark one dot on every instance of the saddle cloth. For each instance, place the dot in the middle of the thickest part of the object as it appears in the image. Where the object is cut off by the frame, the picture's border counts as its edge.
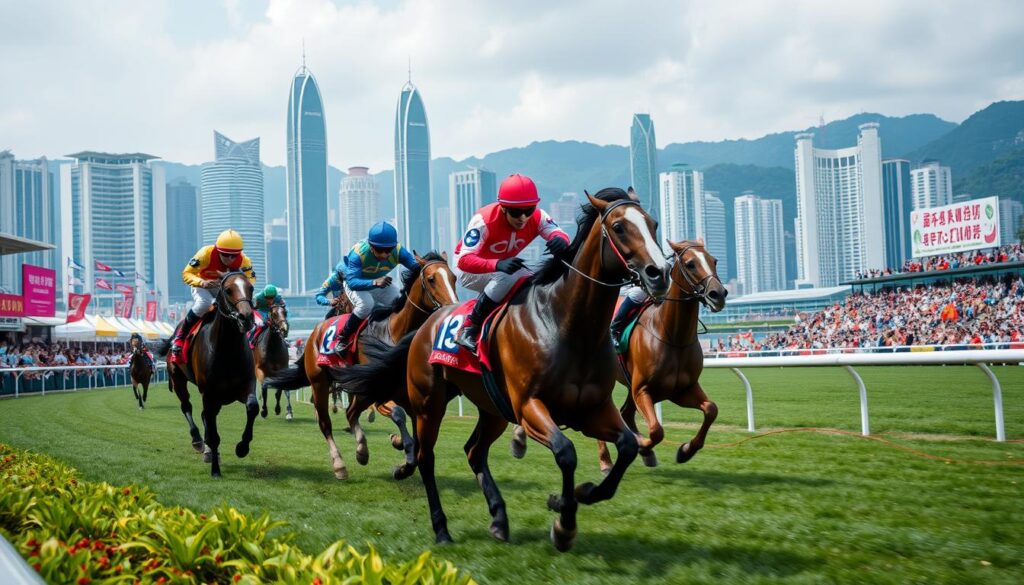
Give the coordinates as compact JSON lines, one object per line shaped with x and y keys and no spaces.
{"x":329,"y":334}
{"x":627,"y":331}
{"x":182,"y":357}
{"x":260,"y":324}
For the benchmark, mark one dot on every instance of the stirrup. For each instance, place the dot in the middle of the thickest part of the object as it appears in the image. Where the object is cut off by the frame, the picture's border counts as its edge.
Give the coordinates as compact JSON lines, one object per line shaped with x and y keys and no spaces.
{"x":467,"y":341}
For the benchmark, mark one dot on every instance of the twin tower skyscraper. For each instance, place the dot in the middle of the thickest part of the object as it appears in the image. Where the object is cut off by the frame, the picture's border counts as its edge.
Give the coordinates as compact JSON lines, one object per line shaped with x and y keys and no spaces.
{"x":311,"y":251}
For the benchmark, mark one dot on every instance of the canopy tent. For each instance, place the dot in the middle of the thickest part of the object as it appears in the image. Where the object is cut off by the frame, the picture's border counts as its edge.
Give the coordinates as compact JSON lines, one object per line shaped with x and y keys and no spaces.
{"x":145,"y":329}
{"x":165,"y":329}
{"x":104,"y":328}
{"x":84,"y":330}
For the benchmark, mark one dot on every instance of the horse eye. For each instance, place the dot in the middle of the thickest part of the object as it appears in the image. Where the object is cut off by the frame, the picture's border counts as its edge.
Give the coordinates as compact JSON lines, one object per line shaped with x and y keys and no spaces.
{"x":430,"y":279}
{"x":617,"y":228}
{"x":690,"y":265}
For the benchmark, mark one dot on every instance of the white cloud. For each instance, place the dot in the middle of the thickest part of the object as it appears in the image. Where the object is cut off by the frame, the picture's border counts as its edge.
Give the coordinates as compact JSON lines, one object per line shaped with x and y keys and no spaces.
{"x":160,"y":77}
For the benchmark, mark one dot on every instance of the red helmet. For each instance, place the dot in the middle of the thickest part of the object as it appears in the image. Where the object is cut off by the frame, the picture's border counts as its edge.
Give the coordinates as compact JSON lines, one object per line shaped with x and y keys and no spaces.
{"x":518,"y":191}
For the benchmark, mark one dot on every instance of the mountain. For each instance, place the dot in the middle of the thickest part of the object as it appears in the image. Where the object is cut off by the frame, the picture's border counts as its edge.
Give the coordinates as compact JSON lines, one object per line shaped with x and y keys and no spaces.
{"x":1003,"y":177}
{"x":987,"y":135}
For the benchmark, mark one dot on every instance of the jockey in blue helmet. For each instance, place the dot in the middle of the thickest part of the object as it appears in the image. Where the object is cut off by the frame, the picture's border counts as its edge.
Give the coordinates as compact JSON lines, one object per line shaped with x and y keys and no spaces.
{"x":367,"y":283}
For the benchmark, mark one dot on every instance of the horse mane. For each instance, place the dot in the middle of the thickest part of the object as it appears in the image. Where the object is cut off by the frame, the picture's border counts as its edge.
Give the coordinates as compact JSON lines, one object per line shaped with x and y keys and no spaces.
{"x":553,"y":268}
{"x":408,"y":279}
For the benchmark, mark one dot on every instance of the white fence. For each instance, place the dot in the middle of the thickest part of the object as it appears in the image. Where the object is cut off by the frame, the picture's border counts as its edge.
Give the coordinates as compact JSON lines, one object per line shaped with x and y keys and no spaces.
{"x":69,"y":378}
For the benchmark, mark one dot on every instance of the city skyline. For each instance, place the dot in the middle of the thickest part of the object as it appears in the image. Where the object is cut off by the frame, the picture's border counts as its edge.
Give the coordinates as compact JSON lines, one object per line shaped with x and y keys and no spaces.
{"x":414,"y":199}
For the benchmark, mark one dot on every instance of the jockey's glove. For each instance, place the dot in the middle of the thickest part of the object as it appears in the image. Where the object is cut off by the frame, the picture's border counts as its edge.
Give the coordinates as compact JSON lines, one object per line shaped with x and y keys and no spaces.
{"x":556,"y":246}
{"x":510,"y":265}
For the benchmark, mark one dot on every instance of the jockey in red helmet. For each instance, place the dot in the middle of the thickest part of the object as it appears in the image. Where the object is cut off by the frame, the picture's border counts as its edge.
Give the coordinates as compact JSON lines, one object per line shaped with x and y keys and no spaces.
{"x":487,"y":254}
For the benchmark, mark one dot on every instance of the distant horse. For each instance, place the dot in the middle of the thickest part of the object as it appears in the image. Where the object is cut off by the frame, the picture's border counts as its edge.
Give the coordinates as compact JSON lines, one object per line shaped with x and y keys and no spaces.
{"x":270,"y":354}
{"x":425,"y":290}
{"x":552,"y":364}
{"x":220,"y":363}
{"x":141,"y":371}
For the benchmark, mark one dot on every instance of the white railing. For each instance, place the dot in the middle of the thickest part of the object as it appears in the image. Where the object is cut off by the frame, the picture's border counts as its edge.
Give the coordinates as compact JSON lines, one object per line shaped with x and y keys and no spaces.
{"x":67,"y":378}
{"x":791,"y":351}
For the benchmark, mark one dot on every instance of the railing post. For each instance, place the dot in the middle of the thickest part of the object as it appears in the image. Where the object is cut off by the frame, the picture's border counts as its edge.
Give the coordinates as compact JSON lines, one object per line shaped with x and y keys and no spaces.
{"x":17,"y":381}
{"x":865,"y":427}
{"x":750,"y":398}
{"x":460,"y":405}
{"x":997,"y":398}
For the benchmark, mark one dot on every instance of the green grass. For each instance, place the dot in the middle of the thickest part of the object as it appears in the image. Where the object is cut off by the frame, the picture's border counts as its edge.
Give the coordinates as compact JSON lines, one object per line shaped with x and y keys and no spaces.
{"x":785,"y":508}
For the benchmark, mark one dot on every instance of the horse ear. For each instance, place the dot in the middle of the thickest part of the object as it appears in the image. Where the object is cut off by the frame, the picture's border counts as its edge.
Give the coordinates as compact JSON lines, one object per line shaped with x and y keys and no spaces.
{"x":419,"y":259}
{"x":700,"y":241}
{"x":676,"y":246}
{"x":598,"y":204}
{"x":632,"y":194}
{"x":444,"y":255}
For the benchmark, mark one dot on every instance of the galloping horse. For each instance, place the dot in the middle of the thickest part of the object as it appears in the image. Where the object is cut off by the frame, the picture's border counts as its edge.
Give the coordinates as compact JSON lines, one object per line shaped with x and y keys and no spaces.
{"x":552,"y":361}
{"x":270,"y":354}
{"x":340,"y":306}
{"x":425,"y":290}
{"x":220,"y":363}
{"x":140,"y":371}
{"x":664,"y":359}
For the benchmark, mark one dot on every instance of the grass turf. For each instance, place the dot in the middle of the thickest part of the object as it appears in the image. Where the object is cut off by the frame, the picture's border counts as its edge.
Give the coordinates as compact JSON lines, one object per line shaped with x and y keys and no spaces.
{"x":786,"y":508}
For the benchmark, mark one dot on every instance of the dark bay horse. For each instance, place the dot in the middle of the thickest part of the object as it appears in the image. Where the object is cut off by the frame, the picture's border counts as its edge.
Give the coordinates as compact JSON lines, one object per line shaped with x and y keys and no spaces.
{"x":425,"y":290}
{"x":220,"y":363}
{"x":664,"y":359}
{"x":141,"y":371}
{"x":271,"y":355}
{"x":552,"y":361}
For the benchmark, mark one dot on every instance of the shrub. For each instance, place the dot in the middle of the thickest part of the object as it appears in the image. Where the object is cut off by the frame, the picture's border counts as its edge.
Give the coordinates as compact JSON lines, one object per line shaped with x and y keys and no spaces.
{"x":74,"y":531}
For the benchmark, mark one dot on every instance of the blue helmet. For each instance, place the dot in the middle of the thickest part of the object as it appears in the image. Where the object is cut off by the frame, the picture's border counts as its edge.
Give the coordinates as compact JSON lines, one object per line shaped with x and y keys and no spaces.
{"x":383,"y":235}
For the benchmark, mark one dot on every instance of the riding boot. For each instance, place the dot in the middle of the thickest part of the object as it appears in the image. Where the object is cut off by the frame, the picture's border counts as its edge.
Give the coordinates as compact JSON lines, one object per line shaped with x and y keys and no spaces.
{"x":622,"y":317}
{"x":179,"y":339}
{"x":470,"y":330}
{"x":345,"y":337}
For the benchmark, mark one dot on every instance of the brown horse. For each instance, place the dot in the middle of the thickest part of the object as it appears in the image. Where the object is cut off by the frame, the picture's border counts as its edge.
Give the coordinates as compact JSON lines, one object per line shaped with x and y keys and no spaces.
{"x":425,"y":290}
{"x":141,"y":371}
{"x":664,"y":359}
{"x":552,"y":362}
{"x":270,"y":354}
{"x":220,"y":363}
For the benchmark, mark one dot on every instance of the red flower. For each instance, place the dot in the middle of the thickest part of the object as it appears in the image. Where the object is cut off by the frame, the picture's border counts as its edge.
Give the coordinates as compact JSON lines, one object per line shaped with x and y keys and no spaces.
{"x":117,"y":569}
{"x":83,"y":581}
{"x":126,"y":491}
{"x":37,"y":567}
{"x":316,"y":581}
{"x":237,"y":578}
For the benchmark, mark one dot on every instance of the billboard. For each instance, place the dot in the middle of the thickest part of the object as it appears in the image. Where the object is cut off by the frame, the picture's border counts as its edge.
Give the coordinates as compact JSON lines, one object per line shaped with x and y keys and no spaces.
{"x":39,"y":289}
{"x":969,"y":225}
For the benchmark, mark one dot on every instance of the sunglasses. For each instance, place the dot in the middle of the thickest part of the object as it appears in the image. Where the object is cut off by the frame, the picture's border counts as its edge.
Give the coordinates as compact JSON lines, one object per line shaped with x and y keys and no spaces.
{"x":518,"y":212}
{"x":227,"y":255}
{"x":381,"y":250}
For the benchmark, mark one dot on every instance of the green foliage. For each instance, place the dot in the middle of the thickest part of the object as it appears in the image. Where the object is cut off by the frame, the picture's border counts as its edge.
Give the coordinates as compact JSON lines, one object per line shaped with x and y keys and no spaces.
{"x":74,"y":531}
{"x":987,"y":135}
{"x":1003,"y":177}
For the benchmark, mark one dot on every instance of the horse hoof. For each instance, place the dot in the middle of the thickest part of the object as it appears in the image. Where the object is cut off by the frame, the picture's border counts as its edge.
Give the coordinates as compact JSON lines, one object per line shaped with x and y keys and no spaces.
{"x":606,"y":469}
{"x":396,"y":442}
{"x":401,"y":472}
{"x":372,"y":416}
{"x":348,"y":430}
{"x":517,"y":449}
{"x":585,"y":493}
{"x":277,"y":410}
{"x":649,"y":459}
{"x":288,"y":416}
{"x":341,"y":474}
{"x":562,"y":539}
{"x":141,"y":408}
{"x":207,"y":454}
{"x":334,"y":409}
{"x":199,"y":446}
{"x":499,"y":532}
{"x":685,"y":453}
{"x":554,"y":503}
{"x":215,"y":474}
{"x":444,"y":538}
{"x":362,"y":456}
{"x":241,"y":450}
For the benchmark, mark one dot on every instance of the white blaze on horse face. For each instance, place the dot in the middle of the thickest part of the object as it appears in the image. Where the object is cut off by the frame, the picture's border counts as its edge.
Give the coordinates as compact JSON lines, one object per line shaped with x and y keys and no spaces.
{"x":447,"y":282}
{"x":702,"y":255}
{"x":634,"y":216}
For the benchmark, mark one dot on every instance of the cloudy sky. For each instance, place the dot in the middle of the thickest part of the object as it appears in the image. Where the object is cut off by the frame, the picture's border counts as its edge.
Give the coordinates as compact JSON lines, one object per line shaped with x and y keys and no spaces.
{"x":160,"y":76}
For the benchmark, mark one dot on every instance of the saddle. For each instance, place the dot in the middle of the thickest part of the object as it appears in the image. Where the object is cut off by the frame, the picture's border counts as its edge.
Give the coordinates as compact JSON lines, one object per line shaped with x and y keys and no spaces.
{"x":622,"y":343}
{"x":329,"y":337}
{"x":182,"y":357}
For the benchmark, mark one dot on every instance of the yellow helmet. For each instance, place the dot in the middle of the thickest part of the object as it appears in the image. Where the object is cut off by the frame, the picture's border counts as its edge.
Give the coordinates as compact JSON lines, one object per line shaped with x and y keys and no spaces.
{"x":229,"y":241}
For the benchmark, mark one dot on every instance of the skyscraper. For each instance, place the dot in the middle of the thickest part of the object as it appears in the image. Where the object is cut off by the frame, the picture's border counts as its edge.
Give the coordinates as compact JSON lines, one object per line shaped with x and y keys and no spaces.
{"x":183,"y":225}
{"x":760,"y":252}
{"x":277,"y":251}
{"x":27,"y":211}
{"x":413,"y":203}
{"x":306,"y":212}
{"x":358,"y":206}
{"x":932,"y":185}
{"x":715,"y":232}
{"x":897,"y":204}
{"x":682,"y":204}
{"x":839,"y":227}
{"x":643,"y":163}
{"x":232,"y":196}
{"x":111,"y":208}
{"x":468,"y":191}
{"x":1011,"y":216}
{"x":564,"y":212}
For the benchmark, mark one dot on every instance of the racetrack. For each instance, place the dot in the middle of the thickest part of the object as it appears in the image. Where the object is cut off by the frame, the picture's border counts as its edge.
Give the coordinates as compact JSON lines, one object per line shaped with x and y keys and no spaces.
{"x":798,"y":507}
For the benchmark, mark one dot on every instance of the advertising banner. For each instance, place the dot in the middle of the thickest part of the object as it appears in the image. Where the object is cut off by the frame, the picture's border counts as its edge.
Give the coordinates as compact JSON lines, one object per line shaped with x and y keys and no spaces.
{"x":128,"y":303}
{"x":12,"y":306}
{"x":76,"y":306}
{"x":39,"y":290}
{"x":150,"y":310}
{"x":970,"y":225}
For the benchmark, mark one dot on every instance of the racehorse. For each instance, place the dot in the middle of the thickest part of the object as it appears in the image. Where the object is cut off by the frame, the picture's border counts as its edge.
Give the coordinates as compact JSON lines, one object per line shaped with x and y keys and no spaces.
{"x":220,"y":363}
{"x":552,"y":363}
{"x":270,"y":354}
{"x":141,"y":371}
{"x":425,"y":290}
{"x":664,"y":359}
{"x":339,"y":306}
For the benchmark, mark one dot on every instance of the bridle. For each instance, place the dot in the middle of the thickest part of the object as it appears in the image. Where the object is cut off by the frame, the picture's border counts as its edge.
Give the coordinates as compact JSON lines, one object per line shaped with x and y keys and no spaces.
{"x":273,"y":324}
{"x":634,"y":275}
{"x":234,"y":314}
{"x":426,"y":291}
{"x":698,"y":288}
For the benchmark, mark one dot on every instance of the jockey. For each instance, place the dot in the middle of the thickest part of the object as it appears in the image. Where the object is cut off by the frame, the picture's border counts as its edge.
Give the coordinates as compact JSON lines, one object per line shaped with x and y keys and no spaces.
{"x":145,"y":349}
{"x":634,"y":299}
{"x":265,"y":300}
{"x":487,"y":253}
{"x":367,"y":283}
{"x":334,"y":284}
{"x":203,"y":274}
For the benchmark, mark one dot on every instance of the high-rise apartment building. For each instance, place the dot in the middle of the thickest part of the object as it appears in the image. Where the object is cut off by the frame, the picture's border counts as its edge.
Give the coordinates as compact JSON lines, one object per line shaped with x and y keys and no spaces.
{"x":760,"y":250}
{"x":468,"y":191}
{"x":839,"y":226}
{"x":932,"y":185}
{"x":358,"y":206}
{"x":643,"y":163}
{"x":564,"y":212}
{"x":183,"y":227}
{"x":1011,"y":218}
{"x":715,"y":232}
{"x":413,"y":200}
{"x":682,"y":204}
{"x":897,"y":205}
{"x":27,"y":210}
{"x":277,"y":252}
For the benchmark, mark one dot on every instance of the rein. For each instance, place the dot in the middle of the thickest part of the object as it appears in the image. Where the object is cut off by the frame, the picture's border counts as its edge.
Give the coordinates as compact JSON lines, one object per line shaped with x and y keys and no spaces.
{"x":426,"y":291}
{"x":234,"y":314}
{"x":605,"y":238}
{"x":698,"y":289}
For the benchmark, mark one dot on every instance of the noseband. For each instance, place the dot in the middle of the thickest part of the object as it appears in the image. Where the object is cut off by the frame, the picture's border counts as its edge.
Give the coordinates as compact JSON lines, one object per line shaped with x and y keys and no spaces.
{"x":234,"y":314}
{"x":426,"y":291}
{"x":698,"y":288}
{"x":634,"y":277}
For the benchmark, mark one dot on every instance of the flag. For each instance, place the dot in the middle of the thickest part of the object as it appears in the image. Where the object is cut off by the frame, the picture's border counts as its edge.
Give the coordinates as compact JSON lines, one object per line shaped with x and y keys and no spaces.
{"x":117,"y":272}
{"x":124,"y":289}
{"x":76,"y":281}
{"x":102,"y":267}
{"x":129,"y":301}
{"x":151,"y":310}
{"x":140,"y":277}
{"x":102,"y":283}
{"x":76,"y":306}
{"x":72,"y":265}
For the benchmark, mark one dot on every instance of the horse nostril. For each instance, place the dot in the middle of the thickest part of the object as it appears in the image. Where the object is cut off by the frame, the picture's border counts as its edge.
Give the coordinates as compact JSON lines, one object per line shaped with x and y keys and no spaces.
{"x":714,"y":294}
{"x":725,"y":292}
{"x":652,"y":271}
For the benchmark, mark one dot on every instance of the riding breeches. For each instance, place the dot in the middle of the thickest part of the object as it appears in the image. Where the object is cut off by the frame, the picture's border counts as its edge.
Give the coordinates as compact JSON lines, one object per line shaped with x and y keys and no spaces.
{"x":202,"y":300}
{"x":493,"y":284}
{"x":364,"y":301}
{"x":636,"y":294}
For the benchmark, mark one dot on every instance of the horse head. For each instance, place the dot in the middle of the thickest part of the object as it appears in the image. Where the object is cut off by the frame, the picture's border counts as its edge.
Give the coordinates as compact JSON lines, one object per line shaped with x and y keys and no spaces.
{"x":696,"y":274}
{"x":279,"y":320}
{"x":628,"y":231}
{"x":137,"y":346}
{"x":234,"y":301}
{"x":436,"y":283}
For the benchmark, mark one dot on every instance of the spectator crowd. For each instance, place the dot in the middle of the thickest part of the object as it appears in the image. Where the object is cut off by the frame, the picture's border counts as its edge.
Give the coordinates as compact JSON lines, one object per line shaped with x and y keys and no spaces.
{"x":1007,"y":253}
{"x":35,"y":352}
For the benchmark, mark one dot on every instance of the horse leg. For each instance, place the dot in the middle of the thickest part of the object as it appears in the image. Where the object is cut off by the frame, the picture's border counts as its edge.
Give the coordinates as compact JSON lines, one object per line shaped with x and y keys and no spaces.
{"x":263,"y":386}
{"x":407,"y":444}
{"x":357,"y":404}
{"x":135,"y":391}
{"x":645,"y":404}
{"x":252,"y":407}
{"x":321,"y":398}
{"x":427,"y":427}
{"x":695,"y":398}
{"x":517,"y":445}
{"x":277,"y":402}
{"x":628,"y":412}
{"x":145,"y":390}
{"x":209,"y":415}
{"x":180,"y":389}
{"x":537,"y":422}
{"x":606,"y":424}
{"x":288,"y":398}
{"x":488,"y":428}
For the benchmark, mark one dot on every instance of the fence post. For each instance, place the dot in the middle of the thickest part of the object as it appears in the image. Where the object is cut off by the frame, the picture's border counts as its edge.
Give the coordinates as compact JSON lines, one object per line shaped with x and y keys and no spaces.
{"x":865,"y":428}
{"x":997,"y":398}
{"x":750,"y":398}
{"x":17,"y":380}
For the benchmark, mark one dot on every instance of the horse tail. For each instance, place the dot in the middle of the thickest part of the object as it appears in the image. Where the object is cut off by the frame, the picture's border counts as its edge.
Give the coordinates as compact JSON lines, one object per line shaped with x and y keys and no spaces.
{"x":385,"y":368}
{"x":162,"y":348}
{"x":291,"y":378}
